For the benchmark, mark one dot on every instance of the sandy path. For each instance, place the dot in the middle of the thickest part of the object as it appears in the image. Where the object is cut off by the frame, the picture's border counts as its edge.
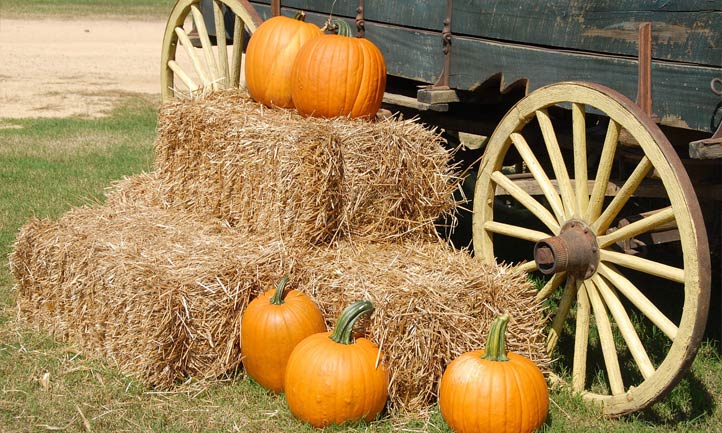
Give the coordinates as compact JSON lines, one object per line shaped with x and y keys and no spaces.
{"x":55,"y":68}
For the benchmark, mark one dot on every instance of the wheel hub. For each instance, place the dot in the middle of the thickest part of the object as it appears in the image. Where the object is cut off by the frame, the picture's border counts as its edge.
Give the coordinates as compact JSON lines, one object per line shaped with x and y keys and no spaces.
{"x":574,"y":251}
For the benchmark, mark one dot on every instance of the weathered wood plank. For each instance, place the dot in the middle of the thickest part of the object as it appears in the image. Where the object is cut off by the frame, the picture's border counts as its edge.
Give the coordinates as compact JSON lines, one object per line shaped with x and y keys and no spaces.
{"x":706,"y":149}
{"x":688,"y":31}
{"x":680,"y":92}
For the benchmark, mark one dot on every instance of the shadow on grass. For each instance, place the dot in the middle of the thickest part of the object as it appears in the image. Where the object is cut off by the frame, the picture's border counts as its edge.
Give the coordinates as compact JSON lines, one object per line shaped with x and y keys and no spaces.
{"x":690,"y":402}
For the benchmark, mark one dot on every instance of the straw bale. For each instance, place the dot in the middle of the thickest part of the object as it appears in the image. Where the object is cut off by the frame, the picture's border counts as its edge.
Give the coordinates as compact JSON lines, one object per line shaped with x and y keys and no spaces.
{"x":306,"y":179}
{"x":432,"y":304}
{"x":142,"y":189}
{"x":160,"y":292}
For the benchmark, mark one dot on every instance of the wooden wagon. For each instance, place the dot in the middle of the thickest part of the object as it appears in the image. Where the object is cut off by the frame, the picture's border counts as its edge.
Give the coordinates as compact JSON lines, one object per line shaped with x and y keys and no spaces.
{"x":593,"y":193}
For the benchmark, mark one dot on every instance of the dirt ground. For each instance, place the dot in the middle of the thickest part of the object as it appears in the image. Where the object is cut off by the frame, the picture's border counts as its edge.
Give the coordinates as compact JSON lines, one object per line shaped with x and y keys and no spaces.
{"x":58,"y":68}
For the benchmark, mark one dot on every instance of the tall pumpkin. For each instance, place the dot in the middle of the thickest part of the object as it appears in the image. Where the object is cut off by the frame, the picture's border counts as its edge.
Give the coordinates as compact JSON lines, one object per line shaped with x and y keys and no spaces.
{"x":272,"y":325}
{"x":492,"y":390}
{"x":331,"y":379}
{"x":338,"y":75}
{"x":270,"y":56}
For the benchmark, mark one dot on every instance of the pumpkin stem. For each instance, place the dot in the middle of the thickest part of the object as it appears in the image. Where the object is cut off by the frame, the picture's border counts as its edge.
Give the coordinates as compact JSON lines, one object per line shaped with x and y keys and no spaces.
{"x":496,"y":342}
{"x":300,"y":16}
{"x":344,"y":29}
{"x":277,"y":298}
{"x":342,"y":331}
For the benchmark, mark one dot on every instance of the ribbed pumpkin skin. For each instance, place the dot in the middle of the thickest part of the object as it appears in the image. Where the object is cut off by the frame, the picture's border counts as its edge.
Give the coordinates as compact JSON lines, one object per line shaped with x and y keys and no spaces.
{"x":332,"y":383}
{"x":269,"y":333}
{"x":477,"y":395}
{"x":270,"y":55}
{"x":338,"y":76}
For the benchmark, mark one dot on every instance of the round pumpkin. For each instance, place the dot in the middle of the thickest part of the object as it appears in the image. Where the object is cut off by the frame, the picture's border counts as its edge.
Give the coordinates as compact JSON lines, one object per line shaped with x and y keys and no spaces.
{"x":331,"y":379}
{"x":492,"y":390}
{"x":338,"y":75}
{"x":270,"y":55}
{"x":272,"y":325}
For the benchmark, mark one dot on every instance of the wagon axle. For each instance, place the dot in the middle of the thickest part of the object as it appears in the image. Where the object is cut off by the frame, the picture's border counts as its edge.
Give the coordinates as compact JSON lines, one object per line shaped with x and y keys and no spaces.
{"x":574,"y":251}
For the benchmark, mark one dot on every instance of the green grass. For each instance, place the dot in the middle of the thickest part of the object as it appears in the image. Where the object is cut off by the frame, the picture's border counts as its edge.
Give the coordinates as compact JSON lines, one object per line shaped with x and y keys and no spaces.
{"x":137,"y":9}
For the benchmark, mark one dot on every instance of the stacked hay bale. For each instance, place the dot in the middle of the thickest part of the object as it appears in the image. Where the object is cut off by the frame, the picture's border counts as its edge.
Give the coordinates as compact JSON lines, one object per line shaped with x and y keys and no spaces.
{"x":306,"y":179}
{"x":158,"y":291}
{"x":432,"y":304}
{"x":158,"y":277}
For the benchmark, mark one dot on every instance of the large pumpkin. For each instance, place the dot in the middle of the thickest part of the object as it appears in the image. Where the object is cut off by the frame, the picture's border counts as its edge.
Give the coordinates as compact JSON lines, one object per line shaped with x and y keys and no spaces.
{"x":492,"y":390}
{"x":270,"y":56}
{"x":338,"y":75}
{"x":272,"y":325}
{"x":331,"y":379}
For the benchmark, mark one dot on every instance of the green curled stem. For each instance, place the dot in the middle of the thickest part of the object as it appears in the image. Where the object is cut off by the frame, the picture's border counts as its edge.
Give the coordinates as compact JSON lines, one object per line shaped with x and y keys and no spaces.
{"x":342,"y":331}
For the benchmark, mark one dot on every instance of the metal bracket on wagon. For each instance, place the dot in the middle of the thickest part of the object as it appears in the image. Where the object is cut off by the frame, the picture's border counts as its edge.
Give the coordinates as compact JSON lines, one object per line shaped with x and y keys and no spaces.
{"x":438,"y":96}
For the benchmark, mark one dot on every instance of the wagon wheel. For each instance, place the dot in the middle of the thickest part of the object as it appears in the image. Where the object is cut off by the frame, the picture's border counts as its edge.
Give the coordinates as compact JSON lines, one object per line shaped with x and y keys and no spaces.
{"x":191,"y":71}
{"x":602,"y":293}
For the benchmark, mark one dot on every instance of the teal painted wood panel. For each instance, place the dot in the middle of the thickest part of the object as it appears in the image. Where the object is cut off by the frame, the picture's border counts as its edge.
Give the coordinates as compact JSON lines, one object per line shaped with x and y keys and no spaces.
{"x":409,"y":53}
{"x":682,"y":31}
{"x":681,"y":93}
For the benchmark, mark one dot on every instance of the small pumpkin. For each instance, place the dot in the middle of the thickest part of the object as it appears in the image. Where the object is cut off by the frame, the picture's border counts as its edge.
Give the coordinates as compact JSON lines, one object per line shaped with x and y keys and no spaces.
{"x":272,"y":325}
{"x":270,"y":55}
{"x":338,"y":75}
{"x":331,"y":379}
{"x":492,"y":390}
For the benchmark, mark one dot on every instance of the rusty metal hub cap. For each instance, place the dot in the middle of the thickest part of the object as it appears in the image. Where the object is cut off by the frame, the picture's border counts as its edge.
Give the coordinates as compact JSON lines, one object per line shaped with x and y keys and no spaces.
{"x":574,"y":251}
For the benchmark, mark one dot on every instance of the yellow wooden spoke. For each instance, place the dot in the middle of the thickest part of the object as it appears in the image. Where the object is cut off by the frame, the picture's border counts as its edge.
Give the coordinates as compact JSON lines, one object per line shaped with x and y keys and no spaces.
{"x":221,"y":44}
{"x":187,"y":80}
{"x":623,"y":195}
{"x":606,"y":339}
{"x":550,"y":286}
{"x":515,"y":231}
{"x":190,"y":51}
{"x":635,"y":296}
{"x":579,"y":141}
{"x":530,"y":266}
{"x":211,"y":63}
{"x":538,"y":172}
{"x":626,"y":328}
{"x":565,"y":304}
{"x":237,"y":58}
{"x":643,"y":265}
{"x":558,"y":164}
{"x":526,"y":200}
{"x":657,"y":219}
{"x":581,"y":340}
{"x":604,"y":170}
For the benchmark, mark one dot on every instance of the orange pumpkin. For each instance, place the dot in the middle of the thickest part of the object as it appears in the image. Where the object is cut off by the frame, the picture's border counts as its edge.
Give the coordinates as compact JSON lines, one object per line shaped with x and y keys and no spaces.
{"x":492,"y":390}
{"x":338,"y":75}
{"x":270,"y":56}
{"x":272,"y":325}
{"x":332,"y":380}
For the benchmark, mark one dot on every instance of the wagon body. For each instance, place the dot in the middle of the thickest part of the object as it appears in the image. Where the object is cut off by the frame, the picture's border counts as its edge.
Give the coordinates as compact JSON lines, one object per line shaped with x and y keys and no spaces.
{"x":515,"y":43}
